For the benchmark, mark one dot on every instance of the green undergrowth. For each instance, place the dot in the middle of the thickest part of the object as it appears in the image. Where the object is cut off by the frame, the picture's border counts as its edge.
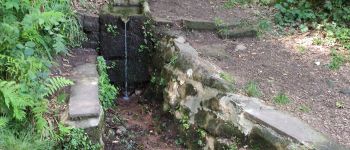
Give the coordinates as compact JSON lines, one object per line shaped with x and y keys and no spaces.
{"x":73,"y":139}
{"x":232,"y":3}
{"x":227,"y":77}
{"x":252,"y":89}
{"x":32,"y":33}
{"x":107,"y":91}
{"x":329,"y":18}
{"x":281,"y":99}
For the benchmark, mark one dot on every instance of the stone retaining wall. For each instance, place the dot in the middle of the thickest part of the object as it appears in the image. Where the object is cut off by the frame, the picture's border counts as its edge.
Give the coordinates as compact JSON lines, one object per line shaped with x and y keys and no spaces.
{"x":195,"y":90}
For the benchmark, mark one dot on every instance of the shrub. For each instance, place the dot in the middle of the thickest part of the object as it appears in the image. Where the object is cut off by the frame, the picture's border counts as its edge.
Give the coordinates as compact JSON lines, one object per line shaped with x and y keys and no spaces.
{"x":297,"y":12}
{"x":74,"y":139}
{"x":107,"y":91}
{"x":32,"y":33}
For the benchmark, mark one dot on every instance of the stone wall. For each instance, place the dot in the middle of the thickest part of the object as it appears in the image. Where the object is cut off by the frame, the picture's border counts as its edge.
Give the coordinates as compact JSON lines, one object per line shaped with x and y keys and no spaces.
{"x":106,"y":33}
{"x":196,"y":91}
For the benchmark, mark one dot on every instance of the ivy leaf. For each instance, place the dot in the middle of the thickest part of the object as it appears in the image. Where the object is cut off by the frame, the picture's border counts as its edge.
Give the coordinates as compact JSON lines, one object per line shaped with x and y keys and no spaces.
{"x":19,"y":46}
{"x":30,"y":44}
{"x":28,"y":51}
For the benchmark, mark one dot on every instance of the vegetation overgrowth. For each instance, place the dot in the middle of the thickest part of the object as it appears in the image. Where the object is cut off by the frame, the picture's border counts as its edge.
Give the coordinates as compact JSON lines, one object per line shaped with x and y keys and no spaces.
{"x":107,"y":91}
{"x":330,"y":18}
{"x":32,"y":34}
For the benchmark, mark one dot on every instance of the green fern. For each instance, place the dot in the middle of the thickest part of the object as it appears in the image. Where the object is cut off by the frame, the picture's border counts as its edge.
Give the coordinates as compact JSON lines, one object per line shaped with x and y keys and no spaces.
{"x":56,"y":83}
{"x":3,"y":121}
{"x":10,"y":66}
{"x":15,"y":102}
{"x":38,"y":111}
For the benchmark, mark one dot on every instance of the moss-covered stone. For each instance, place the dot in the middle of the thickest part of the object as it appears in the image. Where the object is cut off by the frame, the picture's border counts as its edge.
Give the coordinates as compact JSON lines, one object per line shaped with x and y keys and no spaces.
{"x":228,"y":130}
{"x":190,"y":90}
{"x":122,"y":11}
{"x":263,"y":138}
{"x":212,"y":104}
{"x":225,"y":144}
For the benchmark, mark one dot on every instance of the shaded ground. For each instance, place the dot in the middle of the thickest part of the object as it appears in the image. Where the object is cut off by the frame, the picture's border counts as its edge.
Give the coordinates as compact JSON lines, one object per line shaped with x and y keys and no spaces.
{"x":202,"y":9}
{"x":139,"y":126}
{"x":276,"y":64}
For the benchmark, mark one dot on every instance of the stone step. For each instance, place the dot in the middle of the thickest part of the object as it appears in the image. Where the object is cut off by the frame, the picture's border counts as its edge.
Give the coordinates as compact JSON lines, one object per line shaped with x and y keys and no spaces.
{"x":84,"y":101}
{"x":85,"y":110}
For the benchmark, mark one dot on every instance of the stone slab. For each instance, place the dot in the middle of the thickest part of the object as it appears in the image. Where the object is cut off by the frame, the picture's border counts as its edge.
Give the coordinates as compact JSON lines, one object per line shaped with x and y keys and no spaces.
{"x":113,"y":46}
{"x":137,"y":71}
{"x":93,"y":36}
{"x":84,"y":101}
{"x":206,"y":25}
{"x":284,"y":124}
{"x":94,"y":127}
{"x":199,"y":24}
{"x":238,"y":33}
{"x":91,"y":22}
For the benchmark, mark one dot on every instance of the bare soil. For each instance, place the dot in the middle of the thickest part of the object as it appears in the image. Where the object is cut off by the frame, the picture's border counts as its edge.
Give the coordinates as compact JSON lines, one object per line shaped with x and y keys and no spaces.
{"x":275,"y":63}
{"x":132,"y":125}
{"x":207,"y":10}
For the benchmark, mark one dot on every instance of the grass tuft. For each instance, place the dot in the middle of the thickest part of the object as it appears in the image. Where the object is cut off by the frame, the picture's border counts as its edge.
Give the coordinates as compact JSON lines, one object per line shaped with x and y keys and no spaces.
{"x":304,"y":108}
{"x":281,"y":99}
{"x":227,"y":77}
{"x":252,"y":89}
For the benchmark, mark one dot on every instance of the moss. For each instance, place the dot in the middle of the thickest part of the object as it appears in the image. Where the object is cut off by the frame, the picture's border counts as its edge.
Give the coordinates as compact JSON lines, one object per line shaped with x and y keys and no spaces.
{"x":212,"y":104}
{"x":261,"y":138}
{"x":229,"y":130}
{"x":191,"y":137}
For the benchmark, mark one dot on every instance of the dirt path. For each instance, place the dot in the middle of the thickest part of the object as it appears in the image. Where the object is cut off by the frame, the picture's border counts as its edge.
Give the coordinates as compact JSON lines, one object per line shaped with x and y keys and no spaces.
{"x":139,"y":126}
{"x":275,"y":64}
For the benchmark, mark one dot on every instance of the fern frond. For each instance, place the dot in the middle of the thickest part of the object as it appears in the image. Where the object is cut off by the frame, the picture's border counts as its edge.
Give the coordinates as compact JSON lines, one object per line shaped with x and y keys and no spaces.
{"x":10,"y":65}
{"x":39,"y":111}
{"x":14,"y":101}
{"x":3,"y":121}
{"x":56,"y":83}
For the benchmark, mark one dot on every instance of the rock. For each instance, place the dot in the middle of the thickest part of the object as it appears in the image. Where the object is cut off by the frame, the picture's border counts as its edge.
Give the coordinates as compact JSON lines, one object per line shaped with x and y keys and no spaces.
{"x":111,"y":134}
{"x":137,"y":71}
{"x":345,"y":91}
{"x":138,"y":92}
{"x":84,"y":101}
{"x":199,"y":24}
{"x":121,"y":130}
{"x":240,"y":47}
{"x":134,"y":2}
{"x":91,"y":22}
{"x":216,"y":51}
{"x":206,"y":25}
{"x":163,"y":21}
{"x":120,"y":2}
{"x":93,"y":36}
{"x":238,"y":33}
{"x":317,"y":63}
{"x":180,"y":39}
